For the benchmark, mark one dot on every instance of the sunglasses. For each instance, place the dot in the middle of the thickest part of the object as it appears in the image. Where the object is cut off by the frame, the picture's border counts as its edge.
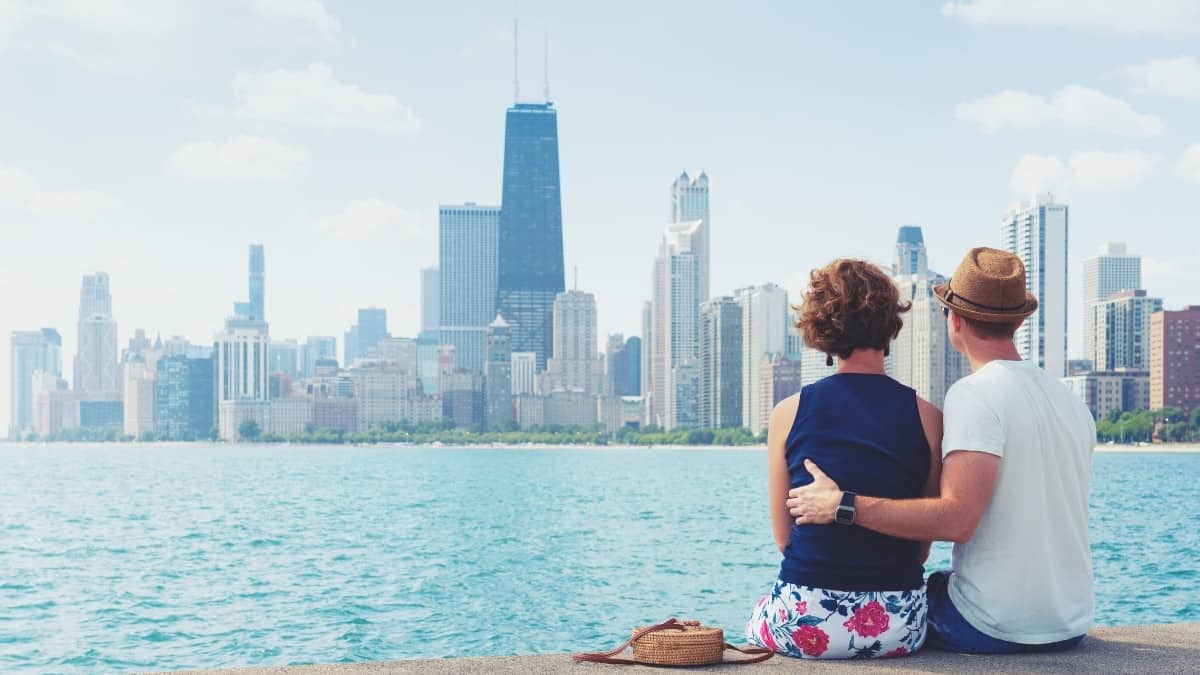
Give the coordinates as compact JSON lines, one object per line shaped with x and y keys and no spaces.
{"x":946,"y":312}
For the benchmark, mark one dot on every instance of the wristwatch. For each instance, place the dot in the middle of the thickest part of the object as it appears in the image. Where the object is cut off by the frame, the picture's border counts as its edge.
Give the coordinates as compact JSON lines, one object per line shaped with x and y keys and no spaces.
{"x":845,"y":511}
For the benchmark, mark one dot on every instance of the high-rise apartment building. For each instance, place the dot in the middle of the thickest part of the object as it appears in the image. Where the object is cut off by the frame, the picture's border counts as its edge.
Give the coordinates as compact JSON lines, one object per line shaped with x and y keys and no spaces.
{"x":1120,"y":330}
{"x":765,"y":323}
{"x":530,"y":270}
{"x":780,"y":379}
{"x":497,"y":373}
{"x":30,"y":352}
{"x":575,"y":364}
{"x":689,"y":202}
{"x":1037,"y":232}
{"x":720,"y":363}
{"x":649,"y":404}
{"x":815,"y":365}
{"x":676,"y":327}
{"x":1175,"y":359}
{"x":380,"y":388}
{"x":1113,"y":269}
{"x":468,"y":237}
{"x":430,"y":300}
{"x":97,"y":370}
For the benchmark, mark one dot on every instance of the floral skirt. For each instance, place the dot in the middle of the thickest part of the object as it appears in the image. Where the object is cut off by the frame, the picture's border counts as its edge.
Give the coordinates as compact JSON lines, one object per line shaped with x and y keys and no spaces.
{"x":815,"y":623}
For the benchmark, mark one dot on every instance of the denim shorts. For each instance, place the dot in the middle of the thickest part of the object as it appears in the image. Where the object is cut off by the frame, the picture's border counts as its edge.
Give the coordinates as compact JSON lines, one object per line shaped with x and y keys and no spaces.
{"x":949,"y":631}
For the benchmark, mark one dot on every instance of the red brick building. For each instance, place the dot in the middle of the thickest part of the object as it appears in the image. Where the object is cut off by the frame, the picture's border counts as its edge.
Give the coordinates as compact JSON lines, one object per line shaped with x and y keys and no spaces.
{"x":1175,"y":359}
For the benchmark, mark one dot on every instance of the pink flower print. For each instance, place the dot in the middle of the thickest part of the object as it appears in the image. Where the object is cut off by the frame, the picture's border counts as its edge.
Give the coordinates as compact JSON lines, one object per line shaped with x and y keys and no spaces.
{"x":896,"y":653}
{"x":764,"y":632}
{"x":802,"y":608}
{"x":812,"y":640}
{"x":870,"y":620}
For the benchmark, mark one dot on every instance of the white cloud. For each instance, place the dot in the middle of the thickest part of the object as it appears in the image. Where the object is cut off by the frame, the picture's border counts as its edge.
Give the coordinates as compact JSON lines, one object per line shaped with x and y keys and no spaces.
{"x":1179,"y":77}
{"x":1073,"y":106}
{"x":126,"y":18}
{"x":16,"y":187}
{"x":1037,"y":173}
{"x":1174,"y":18}
{"x":244,"y":158}
{"x":1189,"y":164}
{"x":314,"y":96}
{"x":309,"y":13}
{"x":20,"y":191}
{"x":1099,"y":171}
{"x":364,"y":217}
{"x":1157,"y":268}
{"x":1092,"y":171}
{"x":71,"y":205}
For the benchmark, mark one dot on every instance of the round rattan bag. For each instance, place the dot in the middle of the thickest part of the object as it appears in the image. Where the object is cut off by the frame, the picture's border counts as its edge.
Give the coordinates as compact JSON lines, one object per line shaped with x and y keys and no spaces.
{"x":676,"y":643}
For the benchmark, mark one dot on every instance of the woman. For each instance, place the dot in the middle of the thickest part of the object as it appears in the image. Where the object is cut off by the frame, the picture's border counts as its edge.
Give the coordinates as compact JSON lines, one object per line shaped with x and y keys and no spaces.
{"x":844,"y":591}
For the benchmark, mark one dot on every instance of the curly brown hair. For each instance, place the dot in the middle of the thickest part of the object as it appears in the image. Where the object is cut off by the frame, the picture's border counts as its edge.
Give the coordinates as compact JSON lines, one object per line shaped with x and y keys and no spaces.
{"x":850,"y":304}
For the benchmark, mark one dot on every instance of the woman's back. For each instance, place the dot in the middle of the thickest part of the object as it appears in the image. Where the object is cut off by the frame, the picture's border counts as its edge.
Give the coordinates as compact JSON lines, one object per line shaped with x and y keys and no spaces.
{"x":865,"y":432}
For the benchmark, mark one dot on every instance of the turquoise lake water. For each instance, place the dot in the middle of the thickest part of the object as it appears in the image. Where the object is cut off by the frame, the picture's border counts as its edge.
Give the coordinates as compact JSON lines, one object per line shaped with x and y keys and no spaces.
{"x":131,"y":558}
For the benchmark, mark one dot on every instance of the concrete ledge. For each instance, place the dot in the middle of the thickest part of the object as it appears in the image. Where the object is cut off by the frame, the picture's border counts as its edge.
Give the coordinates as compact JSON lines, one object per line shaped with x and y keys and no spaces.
{"x":1173,"y":648}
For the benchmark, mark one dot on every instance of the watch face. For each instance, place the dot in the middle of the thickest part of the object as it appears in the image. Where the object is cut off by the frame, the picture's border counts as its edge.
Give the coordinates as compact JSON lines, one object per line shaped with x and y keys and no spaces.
{"x":845,"y":515}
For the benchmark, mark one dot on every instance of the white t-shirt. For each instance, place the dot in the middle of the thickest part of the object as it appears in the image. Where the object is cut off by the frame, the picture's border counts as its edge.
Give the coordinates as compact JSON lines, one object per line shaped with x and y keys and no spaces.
{"x":1026,"y":574}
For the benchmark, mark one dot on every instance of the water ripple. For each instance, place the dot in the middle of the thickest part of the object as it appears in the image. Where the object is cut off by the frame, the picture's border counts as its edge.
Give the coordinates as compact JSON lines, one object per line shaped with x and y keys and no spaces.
{"x":138,"y":558}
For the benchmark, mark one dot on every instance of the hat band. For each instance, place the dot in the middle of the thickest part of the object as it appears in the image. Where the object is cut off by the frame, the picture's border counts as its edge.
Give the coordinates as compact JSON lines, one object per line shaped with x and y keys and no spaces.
{"x":951,"y":295}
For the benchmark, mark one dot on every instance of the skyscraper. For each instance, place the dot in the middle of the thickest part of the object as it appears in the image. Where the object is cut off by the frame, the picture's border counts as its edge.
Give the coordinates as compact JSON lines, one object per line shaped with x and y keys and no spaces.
{"x":921,"y":355}
{"x":467,"y":268}
{"x":1120,"y":327}
{"x":183,"y":395}
{"x":30,"y":352}
{"x":575,"y":364}
{"x":284,"y":356}
{"x":242,"y":375}
{"x":675,"y":328}
{"x":911,"y":257}
{"x":530,"y":270}
{"x":523,"y":373}
{"x":1037,"y":232}
{"x":316,"y":347}
{"x":372,"y":329}
{"x":96,"y":368}
{"x":498,"y":381}
{"x":138,"y":394}
{"x":689,"y":201}
{"x":765,"y":318}
{"x":720,"y":363}
{"x":255,"y":307}
{"x":1108,"y":272}
{"x":623,"y":360}
{"x":430,"y":302}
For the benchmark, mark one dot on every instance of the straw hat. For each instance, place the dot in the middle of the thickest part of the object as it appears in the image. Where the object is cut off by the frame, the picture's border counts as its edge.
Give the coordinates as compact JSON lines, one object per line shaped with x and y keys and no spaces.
{"x":989,"y":285}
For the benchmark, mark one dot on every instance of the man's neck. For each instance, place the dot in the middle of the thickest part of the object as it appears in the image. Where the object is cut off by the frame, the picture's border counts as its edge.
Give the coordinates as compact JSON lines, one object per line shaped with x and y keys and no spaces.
{"x":983,"y":352}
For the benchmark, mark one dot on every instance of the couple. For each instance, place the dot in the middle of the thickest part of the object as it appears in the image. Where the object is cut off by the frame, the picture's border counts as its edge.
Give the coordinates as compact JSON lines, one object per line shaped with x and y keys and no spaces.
{"x":864,"y":475}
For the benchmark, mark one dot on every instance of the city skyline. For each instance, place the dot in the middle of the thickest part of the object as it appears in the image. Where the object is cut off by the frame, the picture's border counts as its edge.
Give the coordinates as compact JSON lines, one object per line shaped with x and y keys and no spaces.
{"x":174,"y":272}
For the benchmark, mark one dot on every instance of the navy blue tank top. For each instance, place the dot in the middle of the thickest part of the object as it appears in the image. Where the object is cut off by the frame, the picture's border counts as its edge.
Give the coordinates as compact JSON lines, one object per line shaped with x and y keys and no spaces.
{"x":864,"y":431}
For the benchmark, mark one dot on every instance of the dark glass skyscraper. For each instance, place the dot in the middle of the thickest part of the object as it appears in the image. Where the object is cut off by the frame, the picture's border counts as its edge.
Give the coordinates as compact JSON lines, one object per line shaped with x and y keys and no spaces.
{"x":530,"y":269}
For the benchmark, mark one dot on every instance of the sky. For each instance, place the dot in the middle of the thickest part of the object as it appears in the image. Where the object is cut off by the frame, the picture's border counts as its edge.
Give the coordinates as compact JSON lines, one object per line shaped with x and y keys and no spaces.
{"x":157,"y":140}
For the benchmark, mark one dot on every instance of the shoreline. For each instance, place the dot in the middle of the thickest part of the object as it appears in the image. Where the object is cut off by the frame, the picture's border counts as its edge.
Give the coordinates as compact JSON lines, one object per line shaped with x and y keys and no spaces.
{"x":1145,"y":449}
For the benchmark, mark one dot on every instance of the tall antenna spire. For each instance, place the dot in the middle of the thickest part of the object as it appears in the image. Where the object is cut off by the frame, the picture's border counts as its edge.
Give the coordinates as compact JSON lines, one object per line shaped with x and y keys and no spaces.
{"x":516,"y":86}
{"x":546,"y":64}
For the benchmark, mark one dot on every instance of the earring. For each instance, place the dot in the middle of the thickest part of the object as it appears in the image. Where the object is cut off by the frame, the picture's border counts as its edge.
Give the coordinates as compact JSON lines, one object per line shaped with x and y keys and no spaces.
{"x":829,"y":360}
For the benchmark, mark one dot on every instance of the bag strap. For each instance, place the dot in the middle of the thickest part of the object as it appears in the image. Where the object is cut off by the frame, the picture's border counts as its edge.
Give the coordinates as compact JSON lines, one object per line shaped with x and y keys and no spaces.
{"x":607,"y":657}
{"x":760,"y":653}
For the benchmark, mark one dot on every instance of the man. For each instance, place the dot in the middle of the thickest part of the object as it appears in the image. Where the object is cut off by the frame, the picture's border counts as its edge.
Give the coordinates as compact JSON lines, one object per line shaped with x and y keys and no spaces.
{"x":1016,"y":463}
